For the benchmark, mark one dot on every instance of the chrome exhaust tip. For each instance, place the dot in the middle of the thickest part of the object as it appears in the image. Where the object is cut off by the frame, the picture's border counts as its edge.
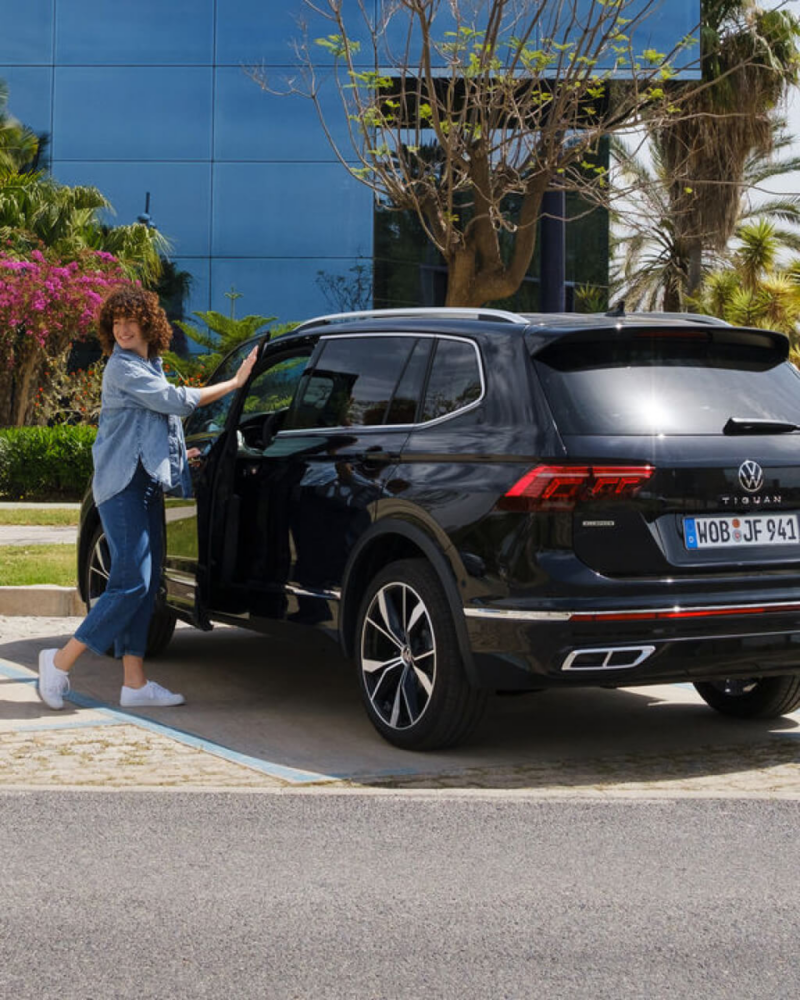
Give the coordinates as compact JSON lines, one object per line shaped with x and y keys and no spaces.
{"x":607,"y":658}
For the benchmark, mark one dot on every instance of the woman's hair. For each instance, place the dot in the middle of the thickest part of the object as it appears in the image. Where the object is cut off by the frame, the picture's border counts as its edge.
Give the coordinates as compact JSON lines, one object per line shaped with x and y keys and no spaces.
{"x":130,"y":302}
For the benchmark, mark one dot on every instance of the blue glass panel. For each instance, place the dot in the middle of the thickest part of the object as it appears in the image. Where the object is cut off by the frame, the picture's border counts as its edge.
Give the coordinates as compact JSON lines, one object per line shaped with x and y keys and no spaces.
{"x":198,"y":297}
{"x":288,"y":289}
{"x":179,"y":196}
{"x":255,"y":31}
{"x":664,"y":23}
{"x":251,"y":124}
{"x":665,"y":28}
{"x":123,"y":113}
{"x":27,"y":31}
{"x":135,"y":32}
{"x":657,"y":25}
{"x":290,"y":210}
{"x":29,"y":89}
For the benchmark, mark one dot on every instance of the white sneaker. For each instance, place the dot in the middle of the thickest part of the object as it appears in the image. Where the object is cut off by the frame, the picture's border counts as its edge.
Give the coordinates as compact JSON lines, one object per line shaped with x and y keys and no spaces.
{"x":53,"y":683}
{"x":152,"y":695}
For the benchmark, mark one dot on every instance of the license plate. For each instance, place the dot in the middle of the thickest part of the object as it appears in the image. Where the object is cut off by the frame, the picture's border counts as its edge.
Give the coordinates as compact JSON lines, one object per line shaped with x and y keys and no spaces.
{"x":740,"y":531}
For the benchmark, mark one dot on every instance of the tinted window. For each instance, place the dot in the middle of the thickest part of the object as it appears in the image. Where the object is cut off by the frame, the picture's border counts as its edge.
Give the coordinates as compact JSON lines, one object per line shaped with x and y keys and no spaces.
{"x":352,"y":382}
{"x":274,"y":388}
{"x":455,"y":380}
{"x":210,"y":419}
{"x":404,"y":405}
{"x":670,"y":384}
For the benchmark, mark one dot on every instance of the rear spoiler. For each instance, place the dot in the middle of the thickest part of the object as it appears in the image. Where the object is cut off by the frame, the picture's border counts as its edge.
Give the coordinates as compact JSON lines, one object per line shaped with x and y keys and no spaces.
{"x":774,"y":345}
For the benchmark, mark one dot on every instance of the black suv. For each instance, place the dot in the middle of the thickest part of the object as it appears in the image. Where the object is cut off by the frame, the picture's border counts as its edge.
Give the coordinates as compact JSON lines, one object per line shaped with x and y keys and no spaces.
{"x":475,"y":501}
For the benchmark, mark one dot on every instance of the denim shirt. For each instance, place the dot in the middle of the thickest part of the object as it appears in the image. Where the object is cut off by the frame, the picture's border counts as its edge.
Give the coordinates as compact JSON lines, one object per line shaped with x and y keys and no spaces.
{"x":139,"y":421}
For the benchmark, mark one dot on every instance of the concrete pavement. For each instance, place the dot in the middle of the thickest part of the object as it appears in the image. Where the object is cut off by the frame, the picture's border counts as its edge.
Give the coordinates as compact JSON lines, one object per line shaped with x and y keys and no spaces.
{"x":280,"y":712}
{"x":37,"y":534}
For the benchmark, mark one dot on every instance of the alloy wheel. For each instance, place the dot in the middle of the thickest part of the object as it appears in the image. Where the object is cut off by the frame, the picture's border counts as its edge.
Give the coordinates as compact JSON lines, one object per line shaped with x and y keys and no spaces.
{"x":733,"y":688}
{"x":398,"y":655}
{"x":99,"y":569}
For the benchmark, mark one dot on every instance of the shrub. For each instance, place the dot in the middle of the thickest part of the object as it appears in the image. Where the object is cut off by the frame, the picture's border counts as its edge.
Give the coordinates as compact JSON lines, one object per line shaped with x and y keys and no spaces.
{"x":45,"y":463}
{"x":69,"y":397}
{"x":45,"y":305}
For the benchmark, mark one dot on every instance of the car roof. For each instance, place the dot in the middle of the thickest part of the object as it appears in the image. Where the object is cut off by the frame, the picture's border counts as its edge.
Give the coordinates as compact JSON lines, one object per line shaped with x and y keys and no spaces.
{"x":477,"y":323}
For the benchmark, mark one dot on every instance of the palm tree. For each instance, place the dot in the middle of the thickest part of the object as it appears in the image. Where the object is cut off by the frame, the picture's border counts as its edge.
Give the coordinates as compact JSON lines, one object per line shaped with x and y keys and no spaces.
{"x":753,"y":289}
{"x":652,"y":253}
{"x":36,"y":210}
{"x":751,"y":58}
{"x":18,"y":144}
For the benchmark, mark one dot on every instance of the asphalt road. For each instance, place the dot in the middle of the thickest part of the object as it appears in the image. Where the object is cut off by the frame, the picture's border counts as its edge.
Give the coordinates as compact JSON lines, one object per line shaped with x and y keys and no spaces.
{"x":411,"y":895}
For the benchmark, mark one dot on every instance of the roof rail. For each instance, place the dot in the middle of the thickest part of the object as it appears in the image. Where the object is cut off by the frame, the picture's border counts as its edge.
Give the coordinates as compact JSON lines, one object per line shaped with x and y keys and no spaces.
{"x":445,"y":312}
{"x":691,"y":317}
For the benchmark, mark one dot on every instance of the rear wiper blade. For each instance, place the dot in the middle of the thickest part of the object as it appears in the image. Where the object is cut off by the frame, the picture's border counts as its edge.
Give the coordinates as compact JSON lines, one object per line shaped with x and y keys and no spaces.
{"x":746,"y":425}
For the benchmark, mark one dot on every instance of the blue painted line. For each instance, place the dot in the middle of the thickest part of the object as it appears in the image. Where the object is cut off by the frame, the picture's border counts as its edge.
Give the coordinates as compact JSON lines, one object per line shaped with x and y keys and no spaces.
{"x":119,"y":716}
{"x":17,"y":673}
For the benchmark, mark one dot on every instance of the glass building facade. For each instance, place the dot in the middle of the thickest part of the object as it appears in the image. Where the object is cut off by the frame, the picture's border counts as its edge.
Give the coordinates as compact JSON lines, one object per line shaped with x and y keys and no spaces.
{"x":153,"y":96}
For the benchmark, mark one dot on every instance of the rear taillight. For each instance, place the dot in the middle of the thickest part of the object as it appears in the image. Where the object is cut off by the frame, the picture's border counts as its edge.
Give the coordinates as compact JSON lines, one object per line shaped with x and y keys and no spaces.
{"x":561,"y":487}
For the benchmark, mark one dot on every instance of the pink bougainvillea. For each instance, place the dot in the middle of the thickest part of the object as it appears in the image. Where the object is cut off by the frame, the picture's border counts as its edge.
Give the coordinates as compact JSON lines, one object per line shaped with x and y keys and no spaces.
{"x":45,"y":305}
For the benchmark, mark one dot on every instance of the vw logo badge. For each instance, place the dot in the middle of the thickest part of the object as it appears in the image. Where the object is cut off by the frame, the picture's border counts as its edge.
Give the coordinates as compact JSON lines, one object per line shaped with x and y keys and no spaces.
{"x":751,"y":476}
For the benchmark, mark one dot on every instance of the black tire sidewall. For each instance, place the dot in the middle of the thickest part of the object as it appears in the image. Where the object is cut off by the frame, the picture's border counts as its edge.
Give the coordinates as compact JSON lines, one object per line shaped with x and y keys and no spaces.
{"x":449,"y":677}
{"x":771,"y":698}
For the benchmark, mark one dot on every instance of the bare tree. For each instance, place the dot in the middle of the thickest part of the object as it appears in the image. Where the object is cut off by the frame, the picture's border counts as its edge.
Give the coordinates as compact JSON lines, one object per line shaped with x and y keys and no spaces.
{"x":466,"y":112}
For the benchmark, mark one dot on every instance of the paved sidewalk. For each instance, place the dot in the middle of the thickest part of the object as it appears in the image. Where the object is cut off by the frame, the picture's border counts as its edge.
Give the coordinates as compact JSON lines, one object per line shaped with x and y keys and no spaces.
{"x":254,"y":726}
{"x":37,"y":534}
{"x":30,"y":505}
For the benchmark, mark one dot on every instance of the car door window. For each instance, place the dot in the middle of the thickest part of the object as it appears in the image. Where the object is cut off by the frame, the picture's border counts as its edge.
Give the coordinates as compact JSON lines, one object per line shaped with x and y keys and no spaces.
{"x":210,"y":419}
{"x":352,"y":382}
{"x":268,"y":398}
{"x":455,"y":379}
{"x":405,"y":402}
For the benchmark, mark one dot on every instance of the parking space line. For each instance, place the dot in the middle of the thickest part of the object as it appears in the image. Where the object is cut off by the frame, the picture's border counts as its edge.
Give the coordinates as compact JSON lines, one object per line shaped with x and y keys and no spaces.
{"x":15,"y":673}
{"x":119,"y":716}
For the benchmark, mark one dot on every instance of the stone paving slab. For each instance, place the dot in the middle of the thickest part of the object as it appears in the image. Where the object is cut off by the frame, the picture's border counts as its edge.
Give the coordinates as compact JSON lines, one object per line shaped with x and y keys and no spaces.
{"x":771,"y":770}
{"x":115,"y":756}
{"x":96,"y":745}
{"x":90,"y":748}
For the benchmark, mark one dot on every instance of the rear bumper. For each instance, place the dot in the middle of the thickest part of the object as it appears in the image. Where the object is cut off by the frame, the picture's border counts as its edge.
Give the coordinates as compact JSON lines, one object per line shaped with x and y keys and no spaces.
{"x":515,"y":649}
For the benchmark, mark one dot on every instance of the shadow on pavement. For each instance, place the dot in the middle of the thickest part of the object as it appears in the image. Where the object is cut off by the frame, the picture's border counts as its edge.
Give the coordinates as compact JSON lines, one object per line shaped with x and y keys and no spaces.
{"x":296,"y":704}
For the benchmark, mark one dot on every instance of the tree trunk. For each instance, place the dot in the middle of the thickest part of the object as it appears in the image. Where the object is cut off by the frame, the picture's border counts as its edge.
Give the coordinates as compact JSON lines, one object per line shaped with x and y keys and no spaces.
{"x":672,"y":299}
{"x":695,"y":267}
{"x":25,"y":383}
{"x":461,"y":279}
{"x":475,"y":271}
{"x":470,"y":285}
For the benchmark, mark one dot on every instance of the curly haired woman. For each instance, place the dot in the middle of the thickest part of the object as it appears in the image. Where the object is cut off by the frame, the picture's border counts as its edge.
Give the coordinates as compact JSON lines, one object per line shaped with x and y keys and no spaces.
{"x":139,"y":452}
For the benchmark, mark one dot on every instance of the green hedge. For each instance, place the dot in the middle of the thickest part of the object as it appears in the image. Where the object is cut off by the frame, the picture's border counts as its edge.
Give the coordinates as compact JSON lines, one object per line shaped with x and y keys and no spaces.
{"x":45,"y":463}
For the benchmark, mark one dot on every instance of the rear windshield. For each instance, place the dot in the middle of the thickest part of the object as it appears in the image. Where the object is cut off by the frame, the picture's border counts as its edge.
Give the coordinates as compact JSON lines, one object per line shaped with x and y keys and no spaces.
{"x":666,"y":384}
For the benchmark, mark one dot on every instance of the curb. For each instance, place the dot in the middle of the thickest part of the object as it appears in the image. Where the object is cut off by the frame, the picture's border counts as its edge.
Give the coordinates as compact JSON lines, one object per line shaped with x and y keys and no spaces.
{"x":45,"y":600}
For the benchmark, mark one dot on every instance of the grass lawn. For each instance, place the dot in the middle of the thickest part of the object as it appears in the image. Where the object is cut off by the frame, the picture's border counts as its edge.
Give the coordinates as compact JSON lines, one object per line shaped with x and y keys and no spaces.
{"x":38,"y":515}
{"x":21,"y":565}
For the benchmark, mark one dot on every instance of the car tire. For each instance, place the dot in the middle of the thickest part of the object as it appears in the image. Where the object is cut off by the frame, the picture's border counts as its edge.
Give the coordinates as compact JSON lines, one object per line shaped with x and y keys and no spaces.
{"x":412,"y":678}
{"x":95,"y":578}
{"x":753,"y":698}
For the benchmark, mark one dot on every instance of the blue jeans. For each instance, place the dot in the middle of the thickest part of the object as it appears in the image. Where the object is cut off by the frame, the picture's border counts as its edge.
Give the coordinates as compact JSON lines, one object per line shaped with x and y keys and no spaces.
{"x":133,"y":524}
